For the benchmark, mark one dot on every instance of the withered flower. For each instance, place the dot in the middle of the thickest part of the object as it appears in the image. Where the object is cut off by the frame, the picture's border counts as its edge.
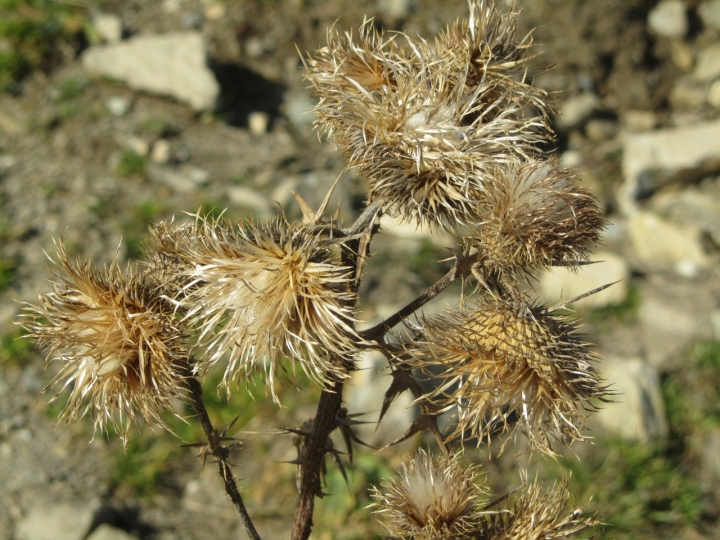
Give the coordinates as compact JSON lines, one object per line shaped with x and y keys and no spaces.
{"x":432,"y":498}
{"x":424,"y":124}
{"x":508,"y":365}
{"x":263,"y":292}
{"x":537,"y":516}
{"x":533,"y":215}
{"x":121,"y":347}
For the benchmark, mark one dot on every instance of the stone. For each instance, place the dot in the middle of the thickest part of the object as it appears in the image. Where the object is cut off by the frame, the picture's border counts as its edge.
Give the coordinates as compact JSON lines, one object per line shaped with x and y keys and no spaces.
{"x":563,"y":284}
{"x":109,"y":26}
{"x":638,"y":413}
{"x":571,"y":159}
{"x":640,"y":120}
{"x":395,"y":9}
{"x":669,"y":19}
{"x":599,"y":130}
{"x":713,"y":94}
{"x":170,"y":64}
{"x":160,"y":151}
{"x":577,"y":110}
{"x":708,"y":63}
{"x":298,"y":109}
{"x":698,"y":206}
{"x":654,"y":158}
{"x":215,"y":11}
{"x":250,"y":199}
{"x":657,"y":241}
{"x":365,"y":393}
{"x":184,"y":179}
{"x":118,"y":105}
{"x":59,"y":522}
{"x":107,"y":532}
{"x":687,"y":94}
{"x":709,"y":13}
{"x":258,"y":122}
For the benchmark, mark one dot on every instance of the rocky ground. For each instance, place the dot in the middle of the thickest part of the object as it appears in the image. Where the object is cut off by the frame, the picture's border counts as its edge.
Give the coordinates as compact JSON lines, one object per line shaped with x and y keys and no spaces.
{"x":110,"y":132}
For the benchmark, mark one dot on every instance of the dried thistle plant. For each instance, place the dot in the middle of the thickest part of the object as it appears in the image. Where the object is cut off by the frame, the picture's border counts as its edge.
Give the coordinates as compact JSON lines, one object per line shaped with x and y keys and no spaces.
{"x":445,"y":135}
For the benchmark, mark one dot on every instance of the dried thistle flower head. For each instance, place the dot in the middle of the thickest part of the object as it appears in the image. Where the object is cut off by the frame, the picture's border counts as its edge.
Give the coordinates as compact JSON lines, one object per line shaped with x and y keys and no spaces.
{"x":263,"y":292}
{"x":508,"y":362}
{"x":425,"y":124}
{"x":120,"y":344}
{"x":432,"y":498}
{"x":533,"y":214}
{"x":537,"y":516}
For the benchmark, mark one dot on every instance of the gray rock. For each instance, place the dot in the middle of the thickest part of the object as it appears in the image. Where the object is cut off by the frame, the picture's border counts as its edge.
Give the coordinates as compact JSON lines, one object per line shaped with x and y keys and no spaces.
{"x":106,"y":532}
{"x":298,"y":109}
{"x":395,"y":9}
{"x":184,"y":179}
{"x":170,"y":64}
{"x":698,"y":206}
{"x":577,"y":110}
{"x":160,"y":151}
{"x":109,"y":27}
{"x":562,"y":284}
{"x":710,"y":14}
{"x":687,"y":94}
{"x":599,"y":130}
{"x":713,"y":94}
{"x":258,"y":122}
{"x":118,"y":105}
{"x":708,"y":63}
{"x":640,"y":120}
{"x":61,"y":522}
{"x":654,"y":158}
{"x":709,"y":450}
{"x":669,"y":19}
{"x":250,"y":199}
{"x":673,"y":316}
{"x":638,"y":413}
{"x":657,"y":241}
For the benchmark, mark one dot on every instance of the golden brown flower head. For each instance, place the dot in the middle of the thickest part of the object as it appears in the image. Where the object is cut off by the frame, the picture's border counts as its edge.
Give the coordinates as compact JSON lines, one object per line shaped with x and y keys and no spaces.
{"x":119,"y":343}
{"x":263,"y":292}
{"x":533,"y":214}
{"x":432,"y":498}
{"x":424,"y":124}
{"x":537,"y":516}
{"x":508,"y":362}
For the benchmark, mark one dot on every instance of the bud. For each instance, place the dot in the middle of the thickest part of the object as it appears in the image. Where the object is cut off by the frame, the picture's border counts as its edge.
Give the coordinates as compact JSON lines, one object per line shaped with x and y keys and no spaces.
{"x":432,"y":498}
{"x":508,"y":365}
{"x":120,"y":344}
{"x":263,"y":292}
{"x":425,"y":123}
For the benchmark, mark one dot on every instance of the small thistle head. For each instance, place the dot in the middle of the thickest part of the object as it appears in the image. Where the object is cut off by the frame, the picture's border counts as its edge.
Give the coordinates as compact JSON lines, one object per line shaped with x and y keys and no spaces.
{"x":263,"y":292}
{"x":537,"y":515}
{"x":532,"y":215}
{"x":432,"y":498}
{"x":508,"y":362}
{"x":120,"y":345}
{"x":424,"y":124}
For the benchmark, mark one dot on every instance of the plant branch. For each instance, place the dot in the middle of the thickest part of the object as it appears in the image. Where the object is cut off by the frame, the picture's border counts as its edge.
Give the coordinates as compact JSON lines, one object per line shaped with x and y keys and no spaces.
{"x":220,"y":452}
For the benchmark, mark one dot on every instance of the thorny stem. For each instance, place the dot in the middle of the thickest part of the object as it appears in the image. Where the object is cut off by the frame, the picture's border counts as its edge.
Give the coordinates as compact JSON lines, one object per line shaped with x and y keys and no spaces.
{"x":353,"y":254}
{"x":221,"y":454}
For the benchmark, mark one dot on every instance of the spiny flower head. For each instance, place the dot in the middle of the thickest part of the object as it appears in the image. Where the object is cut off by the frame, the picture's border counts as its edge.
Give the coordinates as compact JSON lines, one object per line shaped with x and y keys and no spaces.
{"x":263,"y":292}
{"x":424,"y":123}
{"x":508,"y":362}
{"x":537,"y":515}
{"x":533,"y":215}
{"x":121,"y":347}
{"x":432,"y":498}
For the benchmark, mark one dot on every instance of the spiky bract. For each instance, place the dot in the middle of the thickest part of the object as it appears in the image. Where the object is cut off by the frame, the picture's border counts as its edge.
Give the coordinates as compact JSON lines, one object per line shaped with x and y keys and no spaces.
{"x":507,"y":364}
{"x":121,"y":346}
{"x":432,"y":498}
{"x":425,"y":123}
{"x":263,"y":292}
{"x":536,"y":516}
{"x":533,"y":215}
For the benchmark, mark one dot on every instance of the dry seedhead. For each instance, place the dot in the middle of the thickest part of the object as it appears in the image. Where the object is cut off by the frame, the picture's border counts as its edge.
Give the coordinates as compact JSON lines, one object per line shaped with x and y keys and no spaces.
{"x":121,"y":347}
{"x":263,"y":292}
{"x":425,"y":123}
{"x":533,"y":216}
{"x":431,"y":499}
{"x":508,"y":365}
{"x":537,"y":516}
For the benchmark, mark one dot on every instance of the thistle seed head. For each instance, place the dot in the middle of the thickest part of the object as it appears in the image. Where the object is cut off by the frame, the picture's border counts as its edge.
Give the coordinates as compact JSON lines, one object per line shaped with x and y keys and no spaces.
{"x":432,"y":498}
{"x":425,"y":123}
{"x":263,"y":292}
{"x":531,"y":215}
{"x":537,"y":516}
{"x":508,"y":365}
{"x":120,"y":344}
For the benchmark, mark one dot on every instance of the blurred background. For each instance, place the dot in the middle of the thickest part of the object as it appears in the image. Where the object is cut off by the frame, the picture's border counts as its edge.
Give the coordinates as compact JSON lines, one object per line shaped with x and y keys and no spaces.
{"x":118,"y":113}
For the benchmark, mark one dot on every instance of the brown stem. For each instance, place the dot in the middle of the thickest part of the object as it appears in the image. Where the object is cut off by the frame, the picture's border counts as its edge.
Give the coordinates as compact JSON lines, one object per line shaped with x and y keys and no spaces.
{"x":221,"y":454}
{"x":330,"y":402}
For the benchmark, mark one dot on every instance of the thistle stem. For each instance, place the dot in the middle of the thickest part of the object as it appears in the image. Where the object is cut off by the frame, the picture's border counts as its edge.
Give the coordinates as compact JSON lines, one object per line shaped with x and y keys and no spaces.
{"x":221,"y":453}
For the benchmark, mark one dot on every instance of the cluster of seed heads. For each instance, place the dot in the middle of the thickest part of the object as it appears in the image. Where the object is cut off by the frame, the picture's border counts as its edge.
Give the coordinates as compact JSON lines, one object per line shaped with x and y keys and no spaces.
{"x":446,"y":135}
